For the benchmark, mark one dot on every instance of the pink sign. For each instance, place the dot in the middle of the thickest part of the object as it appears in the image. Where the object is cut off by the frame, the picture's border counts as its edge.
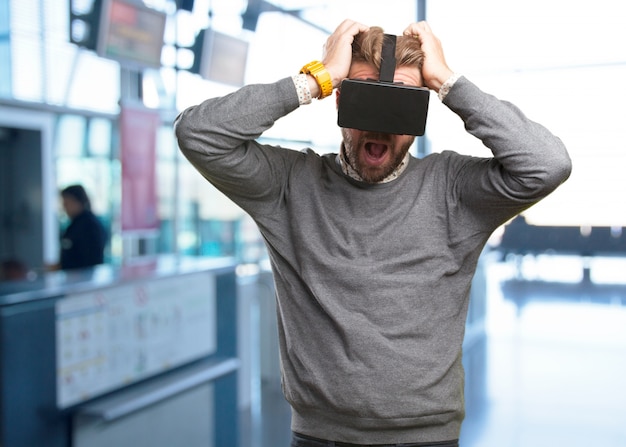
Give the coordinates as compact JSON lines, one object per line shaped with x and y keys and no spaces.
{"x":138,"y":131}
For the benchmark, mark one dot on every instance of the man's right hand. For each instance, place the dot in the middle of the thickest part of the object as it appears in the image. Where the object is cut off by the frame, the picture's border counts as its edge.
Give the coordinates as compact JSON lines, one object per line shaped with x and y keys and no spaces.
{"x":338,"y":50}
{"x":338,"y":53}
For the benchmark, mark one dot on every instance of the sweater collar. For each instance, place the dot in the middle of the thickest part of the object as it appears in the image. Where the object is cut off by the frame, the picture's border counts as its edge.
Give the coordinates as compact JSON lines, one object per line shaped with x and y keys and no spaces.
{"x":350,"y":172}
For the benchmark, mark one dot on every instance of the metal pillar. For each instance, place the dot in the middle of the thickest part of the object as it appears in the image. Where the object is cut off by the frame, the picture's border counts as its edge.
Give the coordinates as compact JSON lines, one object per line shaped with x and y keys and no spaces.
{"x":422,"y":149}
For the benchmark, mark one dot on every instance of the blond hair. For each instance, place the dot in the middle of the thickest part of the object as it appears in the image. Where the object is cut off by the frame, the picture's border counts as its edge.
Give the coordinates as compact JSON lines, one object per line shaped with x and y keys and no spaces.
{"x":367,"y":47}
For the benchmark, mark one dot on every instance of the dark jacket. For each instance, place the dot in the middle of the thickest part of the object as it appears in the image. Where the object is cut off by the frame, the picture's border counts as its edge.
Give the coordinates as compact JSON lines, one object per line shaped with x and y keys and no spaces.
{"x":82,"y":243}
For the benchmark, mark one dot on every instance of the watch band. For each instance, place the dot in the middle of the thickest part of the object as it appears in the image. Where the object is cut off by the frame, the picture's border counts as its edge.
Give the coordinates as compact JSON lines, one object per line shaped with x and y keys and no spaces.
{"x":322,"y":77}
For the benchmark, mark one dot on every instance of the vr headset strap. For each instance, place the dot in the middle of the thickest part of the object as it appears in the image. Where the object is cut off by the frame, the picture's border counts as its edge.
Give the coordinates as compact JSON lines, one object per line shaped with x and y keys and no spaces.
{"x":388,"y":58}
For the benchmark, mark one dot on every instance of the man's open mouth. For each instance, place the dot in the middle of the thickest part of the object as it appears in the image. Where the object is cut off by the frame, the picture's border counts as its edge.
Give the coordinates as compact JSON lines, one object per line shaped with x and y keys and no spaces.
{"x":375,"y":151}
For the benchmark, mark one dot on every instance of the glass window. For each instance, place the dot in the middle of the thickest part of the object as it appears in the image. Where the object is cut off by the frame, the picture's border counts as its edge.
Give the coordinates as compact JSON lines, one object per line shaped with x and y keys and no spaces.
{"x":166,"y":188}
{"x":549,"y":74}
{"x":5,"y":50}
{"x":70,"y":136}
{"x":83,"y":156}
{"x":59,"y":63}
{"x":26,"y":59}
{"x":5,"y":68}
{"x":26,"y":49}
{"x":99,"y":137}
{"x":95,"y":83}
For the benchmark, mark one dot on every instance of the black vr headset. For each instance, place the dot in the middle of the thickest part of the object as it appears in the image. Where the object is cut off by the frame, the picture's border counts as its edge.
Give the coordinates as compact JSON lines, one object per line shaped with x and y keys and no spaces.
{"x":383,"y":106}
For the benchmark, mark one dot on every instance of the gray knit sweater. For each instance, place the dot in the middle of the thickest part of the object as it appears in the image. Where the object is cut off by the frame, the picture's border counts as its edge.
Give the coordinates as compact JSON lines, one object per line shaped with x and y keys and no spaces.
{"x":372,"y":281}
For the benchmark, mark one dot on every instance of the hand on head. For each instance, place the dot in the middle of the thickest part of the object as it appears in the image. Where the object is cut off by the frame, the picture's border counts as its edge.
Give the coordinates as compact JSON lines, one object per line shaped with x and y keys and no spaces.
{"x":435,"y":70}
{"x":338,"y":52}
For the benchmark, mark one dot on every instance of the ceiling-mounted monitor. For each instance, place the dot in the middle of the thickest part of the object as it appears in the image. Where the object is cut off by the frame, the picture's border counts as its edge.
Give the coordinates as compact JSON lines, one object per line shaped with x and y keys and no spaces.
{"x":131,"y":33}
{"x":220,"y":58}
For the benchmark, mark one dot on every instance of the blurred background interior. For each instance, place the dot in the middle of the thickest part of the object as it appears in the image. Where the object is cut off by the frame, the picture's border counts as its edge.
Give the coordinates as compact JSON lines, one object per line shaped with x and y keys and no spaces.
{"x":172,"y":341}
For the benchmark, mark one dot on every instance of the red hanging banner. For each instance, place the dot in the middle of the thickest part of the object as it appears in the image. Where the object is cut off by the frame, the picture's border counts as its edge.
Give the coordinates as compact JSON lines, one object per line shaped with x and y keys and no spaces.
{"x":138,"y":133}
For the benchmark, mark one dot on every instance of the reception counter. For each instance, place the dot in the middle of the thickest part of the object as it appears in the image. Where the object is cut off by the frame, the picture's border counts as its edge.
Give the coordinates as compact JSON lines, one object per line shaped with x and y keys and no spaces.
{"x":143,"y":354}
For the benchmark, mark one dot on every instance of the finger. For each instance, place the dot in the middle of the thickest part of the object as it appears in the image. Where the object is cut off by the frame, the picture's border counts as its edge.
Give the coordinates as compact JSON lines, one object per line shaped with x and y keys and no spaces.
{"x":356,"y":28}
{"x":414,"y":29}
{"x":341,"y":39}
{"x":345,"y":24}
{"x":345,"y":33}
{"x":351,"y":27}
{"x":337,"y":52}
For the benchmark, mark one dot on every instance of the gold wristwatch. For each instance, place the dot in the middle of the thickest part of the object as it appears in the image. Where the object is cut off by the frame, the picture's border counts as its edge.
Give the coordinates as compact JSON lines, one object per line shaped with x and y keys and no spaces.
{"x":322,"y":77}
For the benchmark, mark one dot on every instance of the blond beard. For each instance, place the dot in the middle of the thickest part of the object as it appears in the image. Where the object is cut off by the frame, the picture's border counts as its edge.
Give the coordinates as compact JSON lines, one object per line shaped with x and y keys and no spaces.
{"x":367,"y":174}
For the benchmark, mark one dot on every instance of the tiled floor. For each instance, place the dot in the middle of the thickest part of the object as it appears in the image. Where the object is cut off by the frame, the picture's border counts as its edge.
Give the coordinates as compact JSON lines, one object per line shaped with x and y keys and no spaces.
{"x":552,"y":369}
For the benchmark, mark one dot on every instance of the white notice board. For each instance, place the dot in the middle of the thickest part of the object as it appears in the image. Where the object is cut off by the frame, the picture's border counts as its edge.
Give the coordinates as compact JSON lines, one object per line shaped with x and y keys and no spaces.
{"x":112,"y":337}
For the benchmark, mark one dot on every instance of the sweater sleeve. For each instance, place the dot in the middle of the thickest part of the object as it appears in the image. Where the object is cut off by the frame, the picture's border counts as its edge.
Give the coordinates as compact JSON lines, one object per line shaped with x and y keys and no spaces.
{"x":528,"y":161}
{"x":218,"y":137}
